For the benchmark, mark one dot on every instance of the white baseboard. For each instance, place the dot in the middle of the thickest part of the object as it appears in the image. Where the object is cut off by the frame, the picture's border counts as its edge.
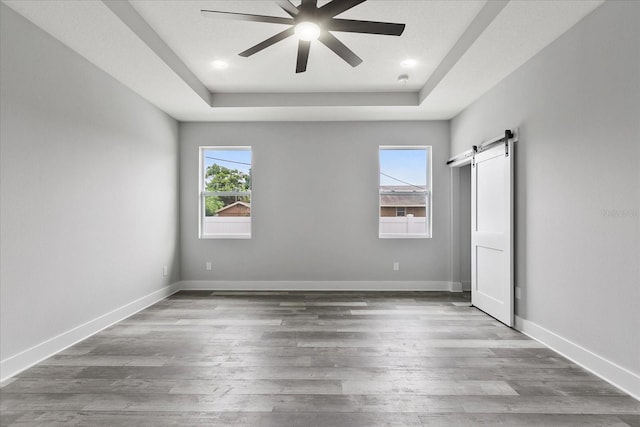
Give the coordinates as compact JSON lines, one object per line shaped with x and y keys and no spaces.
{"x":466,"y":285}
{"x":258,"y":285}
{"x":624,"y":379}
{"x":27,"y":358}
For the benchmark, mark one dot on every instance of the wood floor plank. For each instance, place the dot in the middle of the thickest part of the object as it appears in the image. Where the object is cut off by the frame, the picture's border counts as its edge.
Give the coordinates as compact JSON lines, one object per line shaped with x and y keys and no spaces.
{"x":521,"y":420}
{"x":116,"y":419}
{"x":202,"y":358}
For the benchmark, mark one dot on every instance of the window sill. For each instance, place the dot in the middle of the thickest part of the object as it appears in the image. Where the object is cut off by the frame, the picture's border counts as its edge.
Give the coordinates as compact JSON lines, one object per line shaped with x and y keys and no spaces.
{"x":404,"y":236}
{"x":226,"y":236}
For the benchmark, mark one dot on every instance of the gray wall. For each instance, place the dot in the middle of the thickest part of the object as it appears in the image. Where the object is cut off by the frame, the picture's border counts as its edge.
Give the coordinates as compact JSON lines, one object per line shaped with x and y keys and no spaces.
{"x":89,"y":190}
{"x":577,"y":105}
{"x":315,"y":204}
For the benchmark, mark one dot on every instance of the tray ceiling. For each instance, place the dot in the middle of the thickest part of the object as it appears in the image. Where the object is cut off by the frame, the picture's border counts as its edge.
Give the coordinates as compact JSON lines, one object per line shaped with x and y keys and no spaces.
{"x":164,"y":50}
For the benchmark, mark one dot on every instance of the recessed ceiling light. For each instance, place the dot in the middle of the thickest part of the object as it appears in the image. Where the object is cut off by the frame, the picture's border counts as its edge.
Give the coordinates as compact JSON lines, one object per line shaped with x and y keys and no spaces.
{"x":403,"y":78}
{"x":219,"y":65}
{"x":307,"y":31}
{"x":408,"y":63}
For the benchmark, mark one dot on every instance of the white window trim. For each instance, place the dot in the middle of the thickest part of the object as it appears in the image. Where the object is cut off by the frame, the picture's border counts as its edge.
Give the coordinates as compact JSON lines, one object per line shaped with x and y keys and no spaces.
{"x":429,"y":193}
{"x":202,"y":193}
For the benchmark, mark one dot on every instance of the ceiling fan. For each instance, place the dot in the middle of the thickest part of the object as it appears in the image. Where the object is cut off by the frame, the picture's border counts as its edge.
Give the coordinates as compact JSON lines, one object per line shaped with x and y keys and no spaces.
{"x":309,"y":22}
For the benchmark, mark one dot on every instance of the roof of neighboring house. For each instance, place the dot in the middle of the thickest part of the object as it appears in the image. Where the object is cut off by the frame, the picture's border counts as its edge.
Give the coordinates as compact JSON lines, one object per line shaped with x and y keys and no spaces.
{"x":402,"y":196}
{"x":247,"y":205}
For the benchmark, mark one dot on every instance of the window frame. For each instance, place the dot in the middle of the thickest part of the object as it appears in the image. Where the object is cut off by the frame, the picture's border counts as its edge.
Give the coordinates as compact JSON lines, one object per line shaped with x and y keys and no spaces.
{"x":428,"y":194}
{"x":202,"y":193}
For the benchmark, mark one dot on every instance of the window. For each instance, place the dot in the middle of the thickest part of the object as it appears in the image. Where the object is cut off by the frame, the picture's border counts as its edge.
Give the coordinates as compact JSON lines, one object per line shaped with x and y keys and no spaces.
{"x":225,"y":192}
{"x":405,"y":192}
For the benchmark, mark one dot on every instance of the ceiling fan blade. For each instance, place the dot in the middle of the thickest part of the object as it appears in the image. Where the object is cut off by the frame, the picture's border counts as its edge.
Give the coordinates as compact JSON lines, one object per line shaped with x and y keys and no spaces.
{"x":268,"y":42}
{"x":368,"y":27}
{"x":288,"y":7}
{"x":330,"y":41}
{"x":338,"y":6}
{"x":303,"y":56}
{"x":246,"y":17}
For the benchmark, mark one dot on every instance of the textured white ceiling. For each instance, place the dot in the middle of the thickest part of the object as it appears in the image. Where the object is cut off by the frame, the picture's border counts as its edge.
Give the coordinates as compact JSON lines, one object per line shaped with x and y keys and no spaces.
{"x":517,"y":33}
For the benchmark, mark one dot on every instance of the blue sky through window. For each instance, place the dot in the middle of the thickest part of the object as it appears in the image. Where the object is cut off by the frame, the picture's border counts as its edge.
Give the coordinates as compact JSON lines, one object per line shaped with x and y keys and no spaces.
{"x":409,"y":165}
{"x":232,"y":159}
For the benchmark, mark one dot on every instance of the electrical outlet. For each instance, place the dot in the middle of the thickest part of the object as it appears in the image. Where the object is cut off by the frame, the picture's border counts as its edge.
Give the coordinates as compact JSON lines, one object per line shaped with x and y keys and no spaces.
{"x":208,"y":265}
{"x":396,"y":266}
{"x":518,"y":292}
{"x":165,"y":271}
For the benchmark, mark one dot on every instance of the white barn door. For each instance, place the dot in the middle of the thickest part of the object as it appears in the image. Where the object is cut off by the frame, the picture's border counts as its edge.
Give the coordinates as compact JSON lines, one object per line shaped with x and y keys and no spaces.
{"x":492,"y":232}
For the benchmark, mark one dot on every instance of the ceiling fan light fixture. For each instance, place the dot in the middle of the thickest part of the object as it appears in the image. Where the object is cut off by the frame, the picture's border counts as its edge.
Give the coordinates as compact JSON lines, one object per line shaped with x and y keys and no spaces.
{"x":307,"y":30}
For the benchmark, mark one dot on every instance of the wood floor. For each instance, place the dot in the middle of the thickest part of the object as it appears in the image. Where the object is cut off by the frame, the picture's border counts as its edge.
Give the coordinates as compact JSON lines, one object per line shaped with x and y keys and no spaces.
{"x":311,"y":359}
